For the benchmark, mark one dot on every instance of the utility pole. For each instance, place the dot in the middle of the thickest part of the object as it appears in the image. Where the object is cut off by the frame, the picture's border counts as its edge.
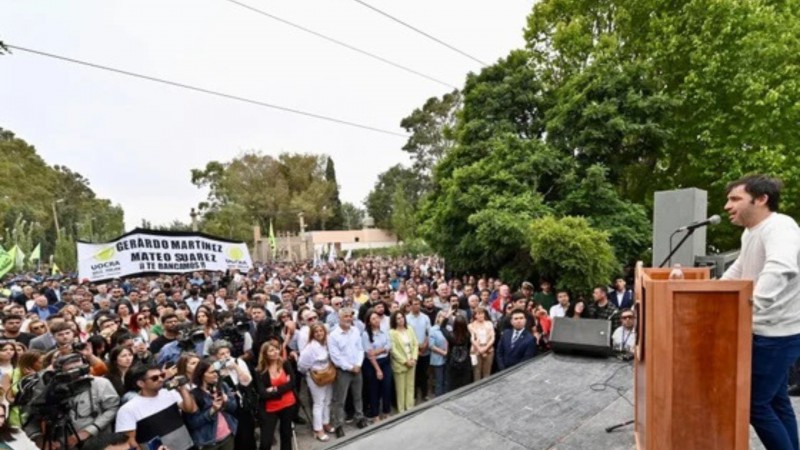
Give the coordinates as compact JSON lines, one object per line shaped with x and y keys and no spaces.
{"x":55,"y":218}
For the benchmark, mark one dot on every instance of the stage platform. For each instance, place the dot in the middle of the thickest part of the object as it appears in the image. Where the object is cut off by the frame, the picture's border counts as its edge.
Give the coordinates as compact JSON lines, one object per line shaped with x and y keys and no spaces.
{"x":552,"y":402}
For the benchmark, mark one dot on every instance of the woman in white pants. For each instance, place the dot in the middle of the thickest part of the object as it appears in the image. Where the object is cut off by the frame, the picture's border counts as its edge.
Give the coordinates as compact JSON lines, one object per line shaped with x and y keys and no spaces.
{"x":314,"y":356}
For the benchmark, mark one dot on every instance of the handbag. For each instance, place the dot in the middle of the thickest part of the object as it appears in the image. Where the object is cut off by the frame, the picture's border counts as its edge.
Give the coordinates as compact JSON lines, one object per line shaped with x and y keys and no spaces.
{"x":325,"y":376}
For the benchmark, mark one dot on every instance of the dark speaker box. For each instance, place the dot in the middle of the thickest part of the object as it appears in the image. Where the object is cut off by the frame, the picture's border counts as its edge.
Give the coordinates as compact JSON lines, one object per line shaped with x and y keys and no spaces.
{"x":585,"y":336}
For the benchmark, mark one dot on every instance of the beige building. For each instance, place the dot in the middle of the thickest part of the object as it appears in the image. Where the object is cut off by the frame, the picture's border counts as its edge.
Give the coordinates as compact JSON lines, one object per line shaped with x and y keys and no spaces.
{"x":298,"y":247}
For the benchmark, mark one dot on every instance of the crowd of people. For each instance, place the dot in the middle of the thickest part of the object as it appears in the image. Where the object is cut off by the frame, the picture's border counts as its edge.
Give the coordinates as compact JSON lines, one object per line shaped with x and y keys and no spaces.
{"x":225,"y":360}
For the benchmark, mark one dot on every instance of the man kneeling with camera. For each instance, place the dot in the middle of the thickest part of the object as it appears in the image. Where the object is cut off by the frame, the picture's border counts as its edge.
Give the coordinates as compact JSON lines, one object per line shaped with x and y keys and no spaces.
{"x":69,"y":406}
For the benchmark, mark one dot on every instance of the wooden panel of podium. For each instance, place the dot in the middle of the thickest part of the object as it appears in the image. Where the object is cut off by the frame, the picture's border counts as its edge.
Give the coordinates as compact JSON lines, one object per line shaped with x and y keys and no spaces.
{"x":692,"y":362}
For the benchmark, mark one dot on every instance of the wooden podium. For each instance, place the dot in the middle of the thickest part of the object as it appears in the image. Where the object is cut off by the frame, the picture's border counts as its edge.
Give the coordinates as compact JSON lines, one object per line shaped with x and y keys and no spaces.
{"x":692,"y":362}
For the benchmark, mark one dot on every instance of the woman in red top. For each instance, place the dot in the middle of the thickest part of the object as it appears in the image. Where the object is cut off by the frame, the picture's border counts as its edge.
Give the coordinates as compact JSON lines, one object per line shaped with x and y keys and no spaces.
{"x":276,"y":389}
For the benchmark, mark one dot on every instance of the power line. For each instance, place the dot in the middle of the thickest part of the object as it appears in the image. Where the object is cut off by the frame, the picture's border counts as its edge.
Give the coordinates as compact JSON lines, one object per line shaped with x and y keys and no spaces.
{"x":208,"y":91}
{"x":343,"y":44}
{"x":433,"y":38}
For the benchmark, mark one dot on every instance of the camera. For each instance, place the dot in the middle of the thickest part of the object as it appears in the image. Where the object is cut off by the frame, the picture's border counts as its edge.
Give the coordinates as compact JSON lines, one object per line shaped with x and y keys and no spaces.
{"x":78,"y":347}
{"x":221,"y":364}
{"x":175,"y":382}
{"x":189,"y":338}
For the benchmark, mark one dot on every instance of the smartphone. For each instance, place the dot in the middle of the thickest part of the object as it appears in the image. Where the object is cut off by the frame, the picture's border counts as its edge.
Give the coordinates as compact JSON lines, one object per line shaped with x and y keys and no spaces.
{"x":155,"y":443}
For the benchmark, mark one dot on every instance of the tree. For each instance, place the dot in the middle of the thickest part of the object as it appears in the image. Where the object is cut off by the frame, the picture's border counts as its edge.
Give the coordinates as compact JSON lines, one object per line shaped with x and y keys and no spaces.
{"x":353,"y":216}
{"x":380,"y":201}
{"x":336,"y":221}
{"x":571,"y":252}
{"x":30,"y":191}
{"x":66,"y":253}
{"x":256,"y":188}
{"x":596,"y":200}
{"x":404,"y":222}
{"x":431,"y":129}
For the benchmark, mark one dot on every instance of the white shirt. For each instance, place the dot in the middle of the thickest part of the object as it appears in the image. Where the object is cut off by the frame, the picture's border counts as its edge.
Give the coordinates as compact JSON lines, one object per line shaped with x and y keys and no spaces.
{"x":770,"y":256}
{"x":558,"y":311}
{"x":623,"y":339}
{"x":314,"y":356}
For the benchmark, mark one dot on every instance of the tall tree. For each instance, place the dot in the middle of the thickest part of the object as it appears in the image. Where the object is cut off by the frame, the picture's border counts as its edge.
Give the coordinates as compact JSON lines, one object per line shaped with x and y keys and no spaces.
{"x":336,"y":220}
{"x":380,"y":201}
{"x":353,"y":216}
{"x":431,"y":129}
{"x":256,"y":188}
{"x":32,"y":191}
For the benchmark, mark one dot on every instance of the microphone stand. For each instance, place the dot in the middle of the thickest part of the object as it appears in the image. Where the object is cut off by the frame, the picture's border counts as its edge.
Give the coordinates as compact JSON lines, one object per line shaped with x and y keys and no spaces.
{"x":672,"y":251}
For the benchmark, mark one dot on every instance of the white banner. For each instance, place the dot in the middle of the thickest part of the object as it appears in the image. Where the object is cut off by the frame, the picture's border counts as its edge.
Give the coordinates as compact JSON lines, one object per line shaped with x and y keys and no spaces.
{"x":148,"y":251}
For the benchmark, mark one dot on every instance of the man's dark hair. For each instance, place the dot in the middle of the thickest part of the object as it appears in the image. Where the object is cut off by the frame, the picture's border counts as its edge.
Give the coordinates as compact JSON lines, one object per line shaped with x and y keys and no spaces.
{"x":562,"y":290}
{"x":59,"y":327}
{"x":103,"y":441}
{"x":12,"y":317}
{"x":140,"y":370}
{"x":758,"y":185}
{"x":168,"y":316}
{"x":516,"y":311}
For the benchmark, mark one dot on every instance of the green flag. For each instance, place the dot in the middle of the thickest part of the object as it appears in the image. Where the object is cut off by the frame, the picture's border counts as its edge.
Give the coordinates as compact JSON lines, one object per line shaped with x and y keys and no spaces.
{"x":36,"y":254}
{"x":18,"y":257}
{"x":273,"y":244}
{"x":56,"y":270}
{"x":6,"y":262}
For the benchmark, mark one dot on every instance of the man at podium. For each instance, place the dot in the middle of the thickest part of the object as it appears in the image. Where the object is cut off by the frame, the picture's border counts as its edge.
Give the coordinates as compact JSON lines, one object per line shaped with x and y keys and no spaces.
{"x":769,"y":256}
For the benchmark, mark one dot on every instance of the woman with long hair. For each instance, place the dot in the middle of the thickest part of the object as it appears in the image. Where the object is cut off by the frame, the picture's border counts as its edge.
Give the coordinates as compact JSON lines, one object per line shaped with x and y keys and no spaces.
{"x":482,"y":332}
{"x":276,"y":390}
{"x":404,"y":353}
{"x":124,"y":310}
{"x":204,"y":319}
{"x":438,"y":354}
{"x":186,"y":366}
{"x":70,"y":313}
{"x":314,"y":356}
{"x":8,"y":358}
{"x":576,"y":310}
{"x":377,"y":368}
{"x":13,"y":438}
{"x":120,"y":361}
{"x":28,"y":366}
{"x":458,"y":365}
{"x":139,"y":326}
{"x":213,"y":426}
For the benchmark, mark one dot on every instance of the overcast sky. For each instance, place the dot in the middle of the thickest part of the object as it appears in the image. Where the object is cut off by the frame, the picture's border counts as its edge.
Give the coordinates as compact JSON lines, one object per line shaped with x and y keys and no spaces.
{"x":136,"y":141}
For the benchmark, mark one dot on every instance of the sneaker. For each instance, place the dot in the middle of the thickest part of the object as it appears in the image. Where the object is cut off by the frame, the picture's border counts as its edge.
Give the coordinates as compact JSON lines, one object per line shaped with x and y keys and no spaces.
{"x":339,"y":432}
{"x":362,"y":423}
{"x":348,"y":419}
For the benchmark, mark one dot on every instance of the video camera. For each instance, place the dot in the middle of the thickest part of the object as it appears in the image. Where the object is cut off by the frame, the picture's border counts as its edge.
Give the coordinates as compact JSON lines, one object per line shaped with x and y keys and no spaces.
{"x":189,"y":338}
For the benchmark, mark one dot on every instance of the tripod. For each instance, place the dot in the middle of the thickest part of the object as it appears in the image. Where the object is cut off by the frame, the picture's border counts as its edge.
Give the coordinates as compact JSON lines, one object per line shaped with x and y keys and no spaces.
{"x":59,"y":429}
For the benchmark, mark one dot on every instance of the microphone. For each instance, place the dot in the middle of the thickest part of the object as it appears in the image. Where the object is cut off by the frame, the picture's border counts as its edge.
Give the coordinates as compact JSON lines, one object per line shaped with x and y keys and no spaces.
{"x":612,"y":315}
{"x":713,"y":220}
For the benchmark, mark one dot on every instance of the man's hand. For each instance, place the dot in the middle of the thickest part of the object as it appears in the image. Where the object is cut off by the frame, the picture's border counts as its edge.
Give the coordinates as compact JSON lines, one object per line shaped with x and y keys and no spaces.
{"x":379,"y":374}
{"x":72,"y":441}
{"x":356,"y":369}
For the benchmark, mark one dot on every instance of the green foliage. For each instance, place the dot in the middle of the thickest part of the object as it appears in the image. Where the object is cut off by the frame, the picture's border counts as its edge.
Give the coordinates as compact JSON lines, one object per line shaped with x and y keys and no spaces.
{"x":380,"y":201}
{"x":336,"y":221}
{"x":255,"y":188}
{"x":66,"y":253}
{"x":570,"y":251}
{"x":404,"y":221}
{"x":352,"y":216}
{"x":626,"y":223}
{"x":413,"y":248}
{"x":431,"y":129}
{"x":30,"y":191}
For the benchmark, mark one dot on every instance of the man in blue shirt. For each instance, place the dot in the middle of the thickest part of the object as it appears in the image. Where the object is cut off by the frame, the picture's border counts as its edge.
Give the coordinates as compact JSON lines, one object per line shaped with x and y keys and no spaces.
{"x":421,"y":324}
{"x":347,"y":355}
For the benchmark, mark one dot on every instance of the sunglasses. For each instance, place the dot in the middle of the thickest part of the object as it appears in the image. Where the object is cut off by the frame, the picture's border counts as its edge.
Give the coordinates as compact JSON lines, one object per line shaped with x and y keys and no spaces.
{"x":312,"y":318}
{"x":155,"y":378}
{"x":37,"y":328}
{"x":627,"y":317}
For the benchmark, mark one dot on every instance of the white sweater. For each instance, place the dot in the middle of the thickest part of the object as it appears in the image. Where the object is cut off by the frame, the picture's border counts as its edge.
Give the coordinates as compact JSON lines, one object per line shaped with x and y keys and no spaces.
{"x":770,"y":256}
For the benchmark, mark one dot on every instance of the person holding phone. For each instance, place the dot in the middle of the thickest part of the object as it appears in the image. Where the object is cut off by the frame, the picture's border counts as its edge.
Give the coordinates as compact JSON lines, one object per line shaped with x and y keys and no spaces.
{"x":213,"y":426}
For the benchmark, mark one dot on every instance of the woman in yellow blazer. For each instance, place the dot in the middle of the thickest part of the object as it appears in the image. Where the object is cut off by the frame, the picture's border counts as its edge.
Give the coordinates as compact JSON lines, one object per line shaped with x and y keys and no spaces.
{"x":404,"y":352}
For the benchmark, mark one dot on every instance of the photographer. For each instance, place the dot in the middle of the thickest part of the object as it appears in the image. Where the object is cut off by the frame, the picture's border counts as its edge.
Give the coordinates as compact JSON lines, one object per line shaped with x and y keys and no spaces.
{"x":235,"y":373}
{"x":156,"y":412}
{"x":64,"y":335}
{"x":213,"y":425}
{"x":234,"y":328}
{"x":189,"y":340}
{"x":70,"y":394}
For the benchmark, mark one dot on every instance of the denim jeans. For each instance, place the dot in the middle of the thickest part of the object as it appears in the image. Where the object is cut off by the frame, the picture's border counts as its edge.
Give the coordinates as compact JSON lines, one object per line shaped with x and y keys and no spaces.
{"x":439,"y":387}
{"x":771,"y":412}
